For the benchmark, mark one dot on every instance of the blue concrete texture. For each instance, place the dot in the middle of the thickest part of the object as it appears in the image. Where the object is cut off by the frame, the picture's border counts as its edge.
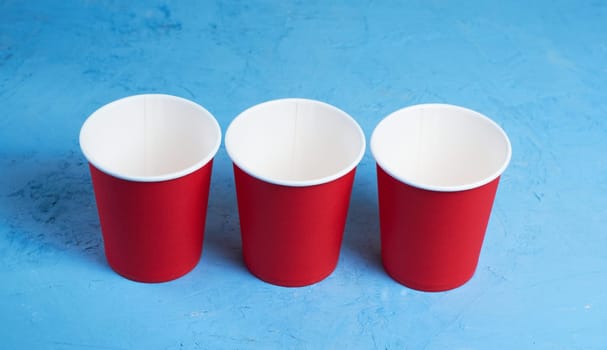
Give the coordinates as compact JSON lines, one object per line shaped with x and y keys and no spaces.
{"x":538,"y":68}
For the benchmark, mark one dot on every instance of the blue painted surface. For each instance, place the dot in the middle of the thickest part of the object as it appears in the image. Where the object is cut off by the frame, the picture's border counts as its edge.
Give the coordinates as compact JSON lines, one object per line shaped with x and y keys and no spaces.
{"x":539,"y":68}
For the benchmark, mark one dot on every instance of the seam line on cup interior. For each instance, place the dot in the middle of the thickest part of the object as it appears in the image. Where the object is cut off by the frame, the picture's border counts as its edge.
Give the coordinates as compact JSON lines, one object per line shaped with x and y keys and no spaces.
{"x":145,"y":146}
{"x":294,"y":147}
{"x":418,"y":159}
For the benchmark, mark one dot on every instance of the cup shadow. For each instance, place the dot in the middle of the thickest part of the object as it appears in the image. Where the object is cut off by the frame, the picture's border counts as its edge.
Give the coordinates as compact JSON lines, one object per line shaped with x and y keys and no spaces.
{"x":361,"y":239}
{"x":47,"y":205}
{"x":222,"y":245}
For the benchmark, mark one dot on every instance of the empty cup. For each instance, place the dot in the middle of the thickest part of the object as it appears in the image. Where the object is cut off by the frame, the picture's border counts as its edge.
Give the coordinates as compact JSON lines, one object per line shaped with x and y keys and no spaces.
{"x":294,"y":164}
{"x":150,"y":158}
{"x":438,"y":168}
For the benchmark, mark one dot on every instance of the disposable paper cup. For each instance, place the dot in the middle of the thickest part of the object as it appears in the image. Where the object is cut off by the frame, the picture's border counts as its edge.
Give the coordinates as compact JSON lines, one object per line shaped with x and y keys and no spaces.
{"x":150,"y":158}
{"x":438,"y":167}
{"x":294,"y":163}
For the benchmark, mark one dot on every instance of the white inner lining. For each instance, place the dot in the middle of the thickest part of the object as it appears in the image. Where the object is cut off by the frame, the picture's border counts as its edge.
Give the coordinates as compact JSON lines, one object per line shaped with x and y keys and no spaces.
{"x":150,"y":137}
{"x":441,"y":147}
{"x":295,"y":142}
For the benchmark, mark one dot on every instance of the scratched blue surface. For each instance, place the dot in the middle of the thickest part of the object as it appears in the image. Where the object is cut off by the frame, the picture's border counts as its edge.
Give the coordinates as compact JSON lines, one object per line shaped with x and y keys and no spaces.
{"x":539,"y":68}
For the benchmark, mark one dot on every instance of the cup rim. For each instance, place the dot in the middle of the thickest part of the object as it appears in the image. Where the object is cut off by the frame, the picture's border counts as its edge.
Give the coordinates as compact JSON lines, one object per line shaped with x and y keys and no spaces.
{"x":155,"y":178}
{"x":297,"y":183}
{"x":462,"y":187}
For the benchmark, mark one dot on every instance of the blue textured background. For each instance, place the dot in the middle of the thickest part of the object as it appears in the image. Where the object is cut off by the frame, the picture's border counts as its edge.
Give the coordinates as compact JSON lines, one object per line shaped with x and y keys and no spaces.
{"x":539,"y":68}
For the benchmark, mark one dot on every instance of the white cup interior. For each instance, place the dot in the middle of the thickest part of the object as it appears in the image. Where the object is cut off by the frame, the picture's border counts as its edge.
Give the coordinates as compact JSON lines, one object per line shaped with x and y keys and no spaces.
{"x":295,"y":142}
{"x":150,"y":137}
{"x":441,"y":147}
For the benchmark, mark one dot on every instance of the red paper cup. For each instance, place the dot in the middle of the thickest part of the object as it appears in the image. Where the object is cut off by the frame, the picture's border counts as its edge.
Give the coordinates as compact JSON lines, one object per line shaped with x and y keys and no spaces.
{"x":150,"y":158}
{"x":438,"y":167}
{"x":294,"y":163}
